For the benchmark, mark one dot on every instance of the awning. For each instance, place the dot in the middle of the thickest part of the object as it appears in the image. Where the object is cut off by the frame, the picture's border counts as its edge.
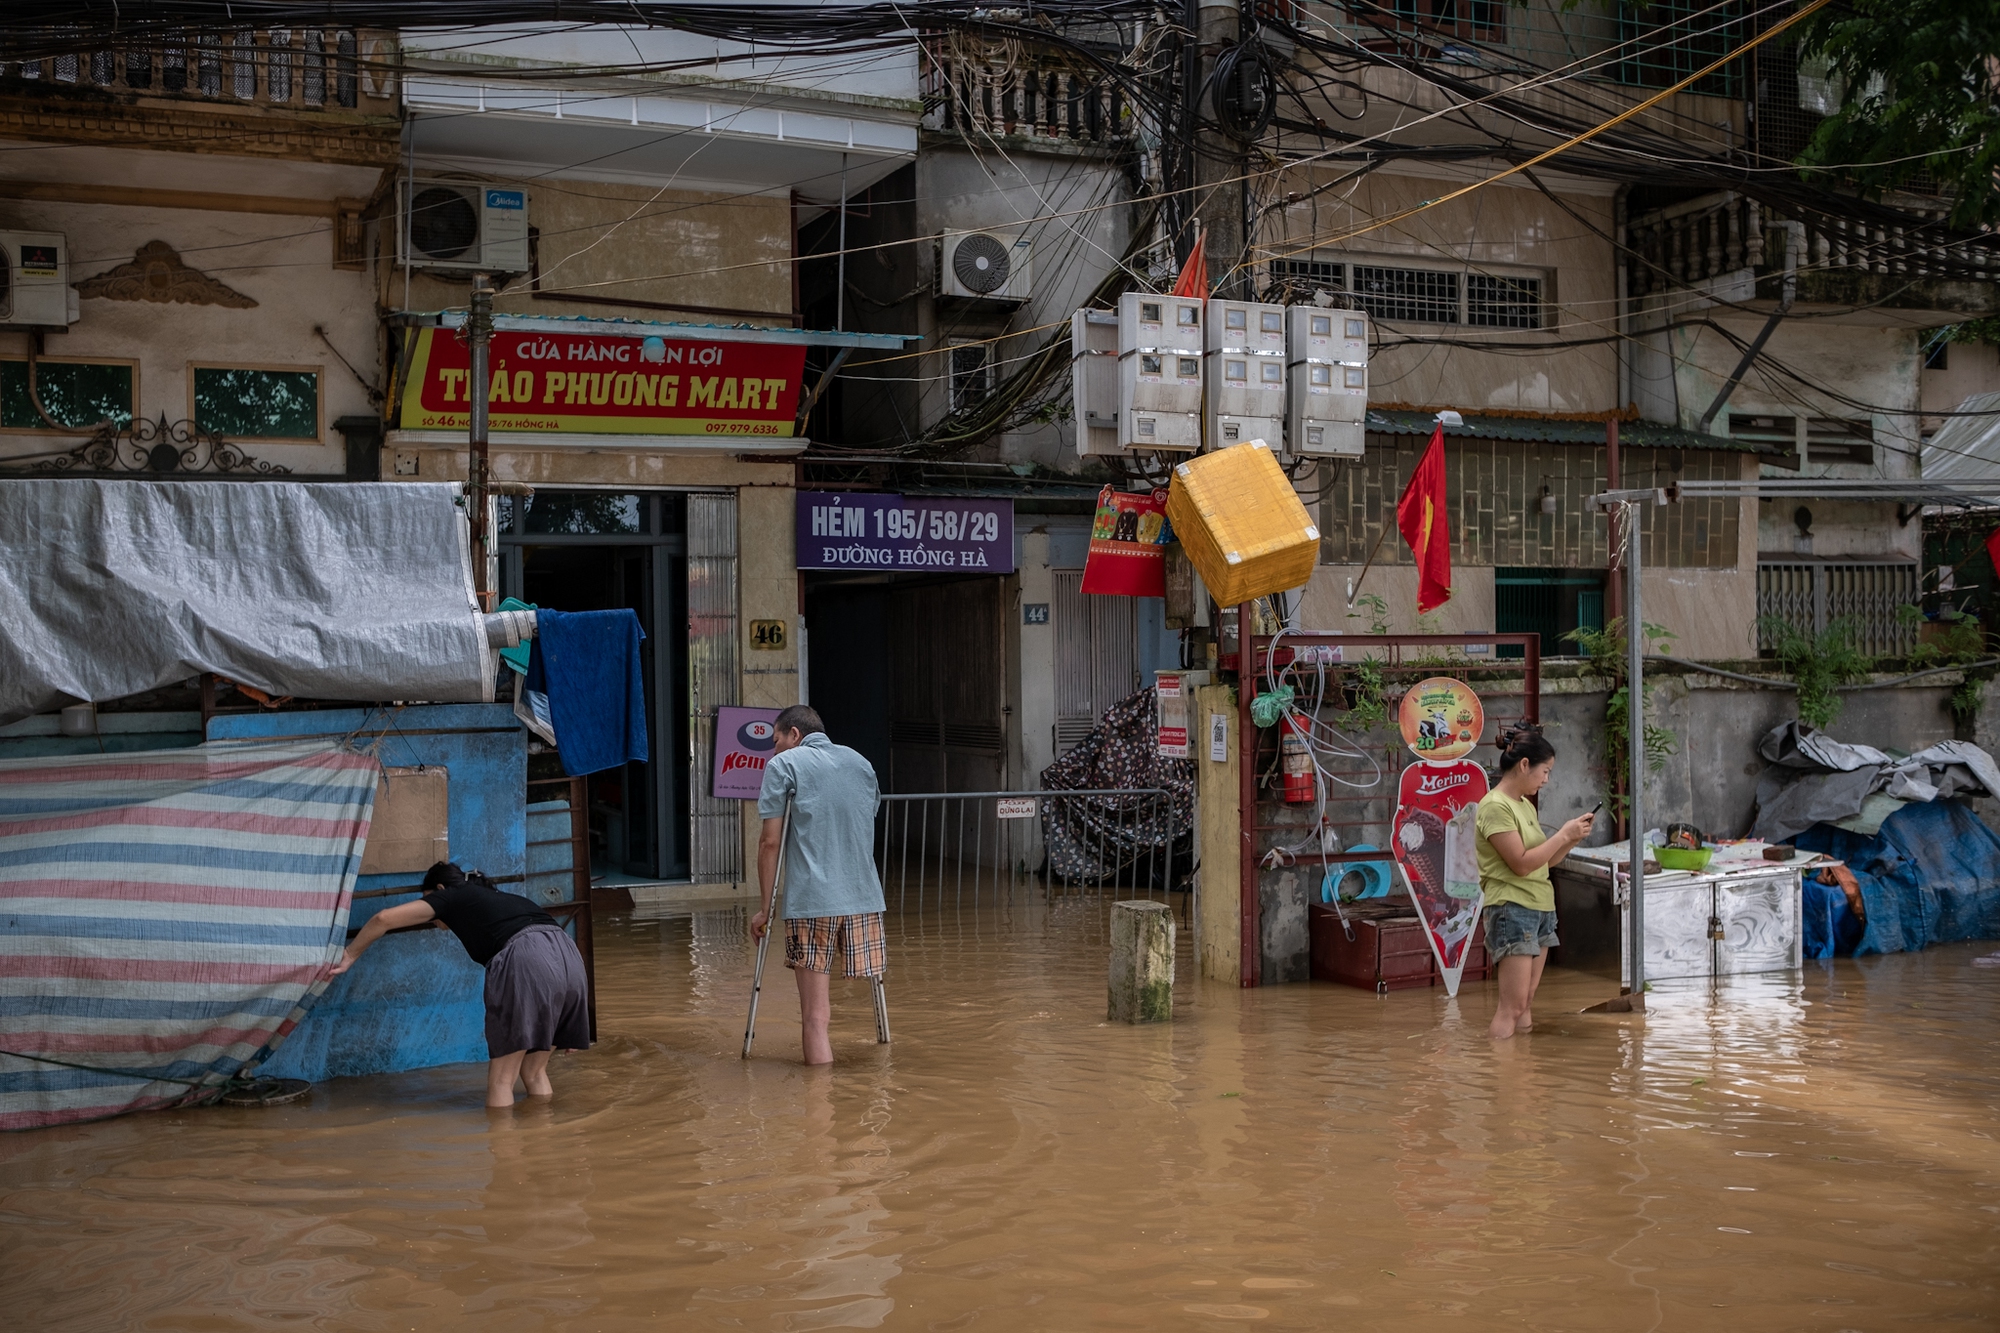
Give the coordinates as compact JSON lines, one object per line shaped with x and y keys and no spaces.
{"x":1539,"y":430}
{"x":338,"y":591}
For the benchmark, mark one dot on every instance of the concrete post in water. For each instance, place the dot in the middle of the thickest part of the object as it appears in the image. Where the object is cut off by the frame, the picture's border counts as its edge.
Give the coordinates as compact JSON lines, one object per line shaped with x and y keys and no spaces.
{"x":1142,"y":963}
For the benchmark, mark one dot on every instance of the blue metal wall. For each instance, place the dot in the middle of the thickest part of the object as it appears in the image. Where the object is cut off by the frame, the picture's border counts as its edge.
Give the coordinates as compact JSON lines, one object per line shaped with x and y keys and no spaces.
{"x":413,"y":1000}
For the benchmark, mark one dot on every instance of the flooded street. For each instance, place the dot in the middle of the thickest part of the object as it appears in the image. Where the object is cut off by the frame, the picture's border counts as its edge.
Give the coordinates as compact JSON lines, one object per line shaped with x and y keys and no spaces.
{"x":1815,"y":1153}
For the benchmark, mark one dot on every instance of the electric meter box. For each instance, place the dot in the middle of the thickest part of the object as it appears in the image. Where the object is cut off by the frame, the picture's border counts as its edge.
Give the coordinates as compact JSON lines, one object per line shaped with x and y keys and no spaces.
{"x":1246,"y":372}
{"x":34,"y":281}
{"x":1093,"y":380}
{"x":1327,"y":369}
{"x":1159,"y":371}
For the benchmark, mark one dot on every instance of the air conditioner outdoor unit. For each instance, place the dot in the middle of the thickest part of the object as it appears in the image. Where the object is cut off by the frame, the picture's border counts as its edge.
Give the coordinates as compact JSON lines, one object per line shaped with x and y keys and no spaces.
{"x":463,"y":227}
{"x":34,"y":281}
{"x":986,"y":265}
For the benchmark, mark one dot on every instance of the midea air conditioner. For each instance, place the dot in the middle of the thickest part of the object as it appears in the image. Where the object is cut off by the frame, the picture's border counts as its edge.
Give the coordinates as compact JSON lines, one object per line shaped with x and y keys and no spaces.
{"x":34,"y":281}
{"x":986,"y":265}
{"x":464,"y":227}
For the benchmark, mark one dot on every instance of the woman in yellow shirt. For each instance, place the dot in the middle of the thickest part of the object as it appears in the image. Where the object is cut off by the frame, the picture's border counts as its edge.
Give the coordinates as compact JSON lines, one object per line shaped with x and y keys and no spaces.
{"x":1514,"y":860}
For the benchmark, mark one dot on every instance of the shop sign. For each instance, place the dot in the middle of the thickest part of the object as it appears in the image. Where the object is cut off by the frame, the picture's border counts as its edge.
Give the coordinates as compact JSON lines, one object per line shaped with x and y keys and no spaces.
{"x":745,"y":739}
{"x":904,"y":533}
{"x":1171,"y":699}
{"x":599,"y":384}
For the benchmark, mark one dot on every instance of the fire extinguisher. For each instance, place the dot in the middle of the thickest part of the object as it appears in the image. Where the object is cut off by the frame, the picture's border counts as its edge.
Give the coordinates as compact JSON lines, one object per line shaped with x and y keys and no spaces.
{"x":1296,"y":761}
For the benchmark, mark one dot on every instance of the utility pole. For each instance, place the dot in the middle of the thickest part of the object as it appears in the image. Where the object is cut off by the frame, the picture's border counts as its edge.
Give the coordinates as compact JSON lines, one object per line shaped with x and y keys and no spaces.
{"x":1218,"y":161}
{"x":479,"y":332}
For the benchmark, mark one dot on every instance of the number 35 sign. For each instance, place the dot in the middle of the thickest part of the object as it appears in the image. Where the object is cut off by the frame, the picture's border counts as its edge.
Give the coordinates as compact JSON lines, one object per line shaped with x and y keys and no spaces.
{"x":871,"y":530}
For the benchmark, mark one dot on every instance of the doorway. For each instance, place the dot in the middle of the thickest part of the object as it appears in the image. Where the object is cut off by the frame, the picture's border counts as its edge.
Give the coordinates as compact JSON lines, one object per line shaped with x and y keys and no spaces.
{"x":602,"y":551}
{"x":913,"y":673}
{"x":1550,"y":602}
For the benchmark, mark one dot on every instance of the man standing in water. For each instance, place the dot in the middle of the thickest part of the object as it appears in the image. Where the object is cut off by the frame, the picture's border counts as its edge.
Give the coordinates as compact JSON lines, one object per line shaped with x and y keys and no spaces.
{"x":833,"y":899}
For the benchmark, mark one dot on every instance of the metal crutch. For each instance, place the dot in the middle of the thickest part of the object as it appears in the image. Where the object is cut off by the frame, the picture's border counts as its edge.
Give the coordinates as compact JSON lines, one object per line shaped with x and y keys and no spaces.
{"x":763,"y":945}
{"x":881,"y":1012}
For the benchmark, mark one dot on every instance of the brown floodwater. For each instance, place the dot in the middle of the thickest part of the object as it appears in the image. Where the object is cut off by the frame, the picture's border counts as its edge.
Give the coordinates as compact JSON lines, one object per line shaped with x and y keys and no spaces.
{"x":1811,"y":1152}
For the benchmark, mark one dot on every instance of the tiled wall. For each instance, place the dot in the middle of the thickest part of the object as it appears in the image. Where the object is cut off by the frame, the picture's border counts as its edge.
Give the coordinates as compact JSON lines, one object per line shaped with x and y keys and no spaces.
{"x":1495,"y":493}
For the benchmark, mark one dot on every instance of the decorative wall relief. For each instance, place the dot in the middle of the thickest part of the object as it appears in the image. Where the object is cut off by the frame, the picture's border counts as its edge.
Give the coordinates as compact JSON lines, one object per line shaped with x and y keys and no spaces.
{"x":157,"y":273}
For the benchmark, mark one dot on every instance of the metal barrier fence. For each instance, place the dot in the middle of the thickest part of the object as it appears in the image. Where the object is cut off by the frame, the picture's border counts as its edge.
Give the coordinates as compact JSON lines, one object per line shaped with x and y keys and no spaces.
{"x":936,"y":847}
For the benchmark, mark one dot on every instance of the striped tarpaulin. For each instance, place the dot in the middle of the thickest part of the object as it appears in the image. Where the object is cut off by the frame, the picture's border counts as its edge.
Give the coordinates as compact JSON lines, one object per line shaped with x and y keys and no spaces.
{"x":166,"y":918}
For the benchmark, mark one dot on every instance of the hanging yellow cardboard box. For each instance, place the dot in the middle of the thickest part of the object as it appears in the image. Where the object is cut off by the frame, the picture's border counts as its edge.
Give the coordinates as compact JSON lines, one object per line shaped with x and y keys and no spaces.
{"x":1241,"y":523}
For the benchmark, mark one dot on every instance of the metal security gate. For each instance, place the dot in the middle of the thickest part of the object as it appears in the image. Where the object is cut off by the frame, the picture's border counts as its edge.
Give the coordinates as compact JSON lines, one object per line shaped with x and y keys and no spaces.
{"x":717,"y":833}
{"x":1813,"y":596}
{"x":1097,"y":655}
{"x":958,"y":849}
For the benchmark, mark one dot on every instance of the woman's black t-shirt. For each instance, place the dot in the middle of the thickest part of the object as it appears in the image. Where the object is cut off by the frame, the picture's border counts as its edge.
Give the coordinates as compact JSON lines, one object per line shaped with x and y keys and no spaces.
{"x":483,"y":918}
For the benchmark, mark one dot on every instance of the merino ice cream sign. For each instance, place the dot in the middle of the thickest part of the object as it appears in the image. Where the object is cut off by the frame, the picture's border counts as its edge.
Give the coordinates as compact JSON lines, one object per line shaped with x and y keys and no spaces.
{"x":1437,"y":804}
{"x":584,"y":383}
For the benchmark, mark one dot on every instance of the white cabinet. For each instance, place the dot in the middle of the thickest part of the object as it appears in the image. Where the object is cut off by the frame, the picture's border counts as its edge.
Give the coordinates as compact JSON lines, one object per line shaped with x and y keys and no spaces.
{"x":1715,"y":925}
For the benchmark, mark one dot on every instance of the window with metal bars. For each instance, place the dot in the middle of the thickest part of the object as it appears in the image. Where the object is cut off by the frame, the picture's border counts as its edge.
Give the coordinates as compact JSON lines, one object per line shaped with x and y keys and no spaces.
{"x":1408,"y":295}
{"x":1493,"y":302}
{"x":1664,"y":41}
{"x":971,"y":375}
{"x":1833,"y":440}
{"x":1308,"y":273}
{"x":1482,"y":19}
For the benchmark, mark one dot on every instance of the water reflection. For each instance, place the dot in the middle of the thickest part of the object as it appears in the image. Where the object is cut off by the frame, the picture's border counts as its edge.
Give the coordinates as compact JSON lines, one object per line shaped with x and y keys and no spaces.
{"x":1744,"y":1156}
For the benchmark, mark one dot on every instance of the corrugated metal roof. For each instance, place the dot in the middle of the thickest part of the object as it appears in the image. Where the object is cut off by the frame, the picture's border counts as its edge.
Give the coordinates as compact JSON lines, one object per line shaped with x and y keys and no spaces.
{"x":1966,"y":448}
{"x":1633,"y":434}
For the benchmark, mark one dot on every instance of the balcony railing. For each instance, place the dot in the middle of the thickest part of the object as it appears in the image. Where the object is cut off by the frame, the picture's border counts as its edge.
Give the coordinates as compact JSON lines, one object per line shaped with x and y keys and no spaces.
{"x":308,"y":68}
{"x":1716,"y":235}
{"x":1015,"y":91}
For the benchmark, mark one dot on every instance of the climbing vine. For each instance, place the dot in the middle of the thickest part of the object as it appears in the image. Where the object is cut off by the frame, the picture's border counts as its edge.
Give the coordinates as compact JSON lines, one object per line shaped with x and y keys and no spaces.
{"x":1367,"y":699}
{"x":1818,"y":663}
{"x":1960,"y":639}
{"x":1605,"y":648}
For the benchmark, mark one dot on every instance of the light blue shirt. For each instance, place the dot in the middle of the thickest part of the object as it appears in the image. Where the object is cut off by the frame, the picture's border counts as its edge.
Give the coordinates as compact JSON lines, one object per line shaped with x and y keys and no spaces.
{"x":830,"y":855}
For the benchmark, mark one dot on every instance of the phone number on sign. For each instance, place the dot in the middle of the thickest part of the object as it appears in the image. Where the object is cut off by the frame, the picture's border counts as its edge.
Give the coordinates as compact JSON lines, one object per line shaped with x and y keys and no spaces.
{"x":742,"y":428}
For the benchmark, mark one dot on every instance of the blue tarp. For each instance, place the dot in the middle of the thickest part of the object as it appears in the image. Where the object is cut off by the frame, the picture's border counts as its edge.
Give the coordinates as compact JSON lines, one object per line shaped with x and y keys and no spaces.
{"x":1931,"y":876}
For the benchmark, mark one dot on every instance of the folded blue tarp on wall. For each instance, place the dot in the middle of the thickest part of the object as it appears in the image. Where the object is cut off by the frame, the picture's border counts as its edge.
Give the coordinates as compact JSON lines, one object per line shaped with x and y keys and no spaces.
{"x":1931,"y":876}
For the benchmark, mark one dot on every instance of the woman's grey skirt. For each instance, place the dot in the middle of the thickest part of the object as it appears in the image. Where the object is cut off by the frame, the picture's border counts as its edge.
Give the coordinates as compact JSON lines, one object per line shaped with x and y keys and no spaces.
{"x":535,"y":995}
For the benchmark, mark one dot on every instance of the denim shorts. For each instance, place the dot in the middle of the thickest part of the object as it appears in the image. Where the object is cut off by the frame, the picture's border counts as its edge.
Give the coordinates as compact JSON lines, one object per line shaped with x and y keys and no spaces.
{"x":1513,"y":930}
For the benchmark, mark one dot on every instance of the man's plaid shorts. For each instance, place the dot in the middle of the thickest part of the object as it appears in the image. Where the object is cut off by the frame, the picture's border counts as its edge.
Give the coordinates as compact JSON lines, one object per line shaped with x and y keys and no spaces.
{"x":811,"y":943}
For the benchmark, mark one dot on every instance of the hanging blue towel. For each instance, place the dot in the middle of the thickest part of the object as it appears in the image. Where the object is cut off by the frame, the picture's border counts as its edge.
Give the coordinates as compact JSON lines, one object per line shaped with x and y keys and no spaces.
{"x":587,"y":663}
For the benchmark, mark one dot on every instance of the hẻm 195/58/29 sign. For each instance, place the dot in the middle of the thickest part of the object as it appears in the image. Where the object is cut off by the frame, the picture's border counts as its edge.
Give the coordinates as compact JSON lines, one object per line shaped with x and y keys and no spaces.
{"x":590,"y":383}
{"x":906,"y":533}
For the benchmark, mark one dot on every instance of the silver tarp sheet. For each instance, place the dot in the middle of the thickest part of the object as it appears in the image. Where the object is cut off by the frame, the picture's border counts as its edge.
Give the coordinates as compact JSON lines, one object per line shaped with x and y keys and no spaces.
{"x":356,"y":591}
{"x":1815,"y":779}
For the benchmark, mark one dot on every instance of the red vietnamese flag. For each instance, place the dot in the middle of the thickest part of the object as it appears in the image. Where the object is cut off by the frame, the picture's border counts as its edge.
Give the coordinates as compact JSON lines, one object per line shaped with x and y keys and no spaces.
{"x":1193,"y":280}
{"x":1420,"y":517}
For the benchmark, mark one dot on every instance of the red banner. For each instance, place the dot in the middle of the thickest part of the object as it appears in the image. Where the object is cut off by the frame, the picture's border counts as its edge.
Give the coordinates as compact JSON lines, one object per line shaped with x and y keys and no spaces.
{"x":638,"y":385}
{"x":1128,"y":545}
